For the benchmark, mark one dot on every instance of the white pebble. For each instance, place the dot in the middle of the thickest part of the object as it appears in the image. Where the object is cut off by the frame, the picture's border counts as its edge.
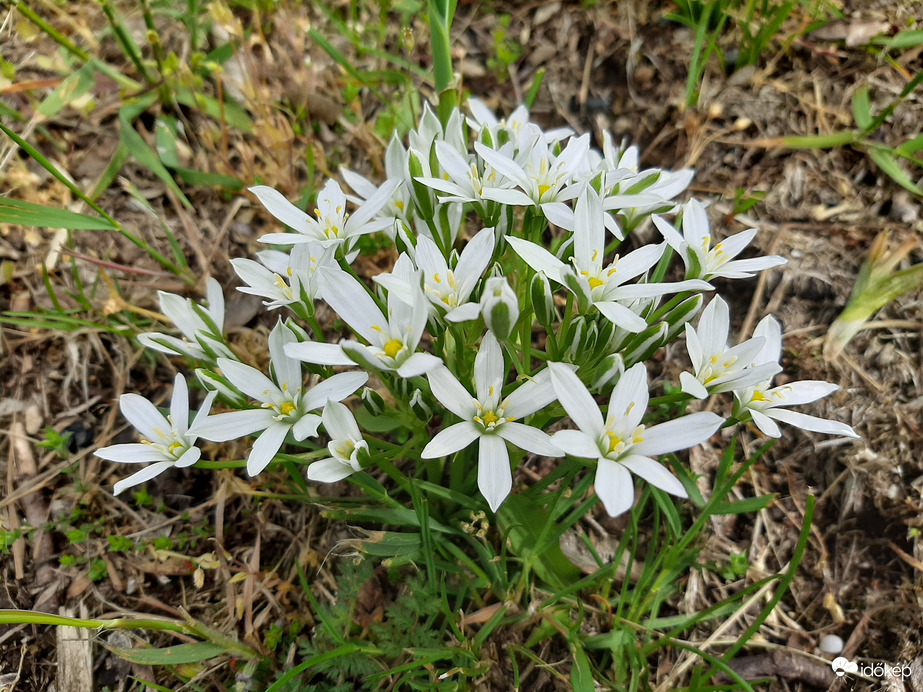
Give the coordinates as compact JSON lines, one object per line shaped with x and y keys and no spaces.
{"x":831,"y":644}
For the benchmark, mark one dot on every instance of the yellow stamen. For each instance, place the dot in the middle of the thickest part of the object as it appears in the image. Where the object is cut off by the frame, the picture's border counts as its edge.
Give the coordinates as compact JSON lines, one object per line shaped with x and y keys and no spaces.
{"x":173,"y":447}
{"x":286,"y":408}
{"x":393,"y":347}
{"x":594,"y":282}
{"x":489,"y":418}
{"x":542,"y":189}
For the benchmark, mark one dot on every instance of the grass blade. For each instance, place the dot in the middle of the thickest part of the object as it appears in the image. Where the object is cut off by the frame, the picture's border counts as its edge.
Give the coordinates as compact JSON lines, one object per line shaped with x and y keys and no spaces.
{"x":28,"y":214}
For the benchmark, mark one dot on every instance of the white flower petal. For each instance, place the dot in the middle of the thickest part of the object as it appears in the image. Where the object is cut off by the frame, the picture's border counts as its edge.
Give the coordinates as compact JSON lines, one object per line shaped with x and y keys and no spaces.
{"x":266,"y":447}
{"x":576,"y":444}
{"x":654,"y":473}
{"x":306,"y":426}
{"x":766,"y":424}
{"x":418,"y":364}
{"x":339,"y":422}
{"x":329,"y":471}
{"x":233,"y":425}
{"x":812,"y":423}
{"x":801,"y":392}
{"x":145,"y":417}
{"x":189,"y":457}
{"x":134,"y":453}
{"x":141,"y":476}
{"x":287,"y":371}
{"x":281,"y":208}
{"x":621,"y":316}
{"x":538,"y":258}
{"x":488,"y":369}
{"x":614,"y":487}
{"x":677,"y":434}
{"x":513,"y":198}
{"x":451,"y":440}
{"x":628,"y":401}
{"x":351,"y":301}
{"x":335,"y":388}
{"x":179,"y":405}
{"x":450,"y":392}
{"x":690,"y":385}
{"x":495,"y":480}
{"x":528,"y":438}
{"x":464,"y":313}
{"x":473,"y":261}
{"x":531,"y":396}
{"x":249,"y":380}
{"x":318,"y":353}
{"x":576,"y":399}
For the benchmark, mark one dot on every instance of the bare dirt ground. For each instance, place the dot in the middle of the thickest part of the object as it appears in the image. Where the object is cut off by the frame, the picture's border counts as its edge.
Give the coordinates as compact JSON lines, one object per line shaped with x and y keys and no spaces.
{"x":620,"y":67}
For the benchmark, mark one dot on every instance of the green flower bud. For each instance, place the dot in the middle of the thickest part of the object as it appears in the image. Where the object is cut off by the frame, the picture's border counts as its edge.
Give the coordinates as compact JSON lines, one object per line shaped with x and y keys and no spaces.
{"x":372,"y":400}
{"x":500,"y":307}
{"x":543,"y":300}
{"x":580,"y":289}
{"x":420,"y":408}
{"x":643,"y":345}
{"x":213,"y":382}
{"x":421,"y":194}
{"x":682,"y":313}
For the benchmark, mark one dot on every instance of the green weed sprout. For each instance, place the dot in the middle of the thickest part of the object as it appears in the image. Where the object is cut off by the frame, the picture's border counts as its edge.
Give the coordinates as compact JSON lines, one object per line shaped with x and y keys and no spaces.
{"x":877,"y":285}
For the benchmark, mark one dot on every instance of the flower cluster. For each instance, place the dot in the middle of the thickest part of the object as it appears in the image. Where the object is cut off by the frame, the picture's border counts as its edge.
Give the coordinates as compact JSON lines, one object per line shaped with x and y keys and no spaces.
{"x":520,"y":303}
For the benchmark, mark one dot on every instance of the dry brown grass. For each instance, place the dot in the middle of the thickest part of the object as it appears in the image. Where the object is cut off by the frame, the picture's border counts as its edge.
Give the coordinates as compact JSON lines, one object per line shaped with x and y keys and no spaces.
{"x":614,"y":67}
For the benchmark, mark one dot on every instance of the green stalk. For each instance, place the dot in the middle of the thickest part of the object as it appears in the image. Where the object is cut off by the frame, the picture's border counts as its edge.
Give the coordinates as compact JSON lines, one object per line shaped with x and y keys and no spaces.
{"x":440,"y":20}
{"x":29,"y":617}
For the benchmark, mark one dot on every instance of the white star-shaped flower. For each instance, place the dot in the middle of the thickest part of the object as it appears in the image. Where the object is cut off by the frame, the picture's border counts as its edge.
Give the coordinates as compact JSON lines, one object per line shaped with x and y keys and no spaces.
{"x":704,"y":261}
{"x":168,"y":441}
{"x":489,"y":418}
{"x":763,"y":404}
{"x":621,"y":443}
{"x":285,"y":403}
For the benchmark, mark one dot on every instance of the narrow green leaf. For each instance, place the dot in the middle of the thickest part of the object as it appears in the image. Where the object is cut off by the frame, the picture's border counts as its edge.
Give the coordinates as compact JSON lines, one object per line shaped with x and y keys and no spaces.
{"x":146,"y":156}
{"x":581,"y":675}
{"x":28,"y":214}
{"x":831,"y":141}
{"x":171,"y":655}
{"x":746,"y":506}
{"x":204,"y":179}
{"x":903,"y":39}
{"x":862,"y":108}
{"x":910,"y":147}
{"x":75,"y":86}
{"x":51,"y":168}
{"x":229,"y":111}
{"x":885,"y":160}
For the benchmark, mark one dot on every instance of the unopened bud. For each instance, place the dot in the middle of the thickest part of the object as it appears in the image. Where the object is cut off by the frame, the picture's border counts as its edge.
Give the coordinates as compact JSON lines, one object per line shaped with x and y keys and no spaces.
{"x":372,"y":400}
{"x":500,"y":307}
{"x":420,"y":407}
{"x":611,"y":368}
{"x":643,"y":345}
{"x":682,"y":313}
{"x":213,"y":382}
{"x":542,"y":300}
{"x":580,"y":289}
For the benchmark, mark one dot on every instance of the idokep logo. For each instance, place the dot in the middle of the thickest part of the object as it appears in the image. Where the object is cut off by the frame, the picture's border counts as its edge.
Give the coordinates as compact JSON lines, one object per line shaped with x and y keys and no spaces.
{"x":841,"y":666}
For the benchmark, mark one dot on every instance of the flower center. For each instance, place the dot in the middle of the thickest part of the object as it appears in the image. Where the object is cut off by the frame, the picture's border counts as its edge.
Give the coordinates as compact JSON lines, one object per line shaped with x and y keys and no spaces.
{"x":172,"y":449}
{"x":286,"y":408}
{"x":393,"y":347}
{"x":594,"y":282}
{"x":542,"y":189}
